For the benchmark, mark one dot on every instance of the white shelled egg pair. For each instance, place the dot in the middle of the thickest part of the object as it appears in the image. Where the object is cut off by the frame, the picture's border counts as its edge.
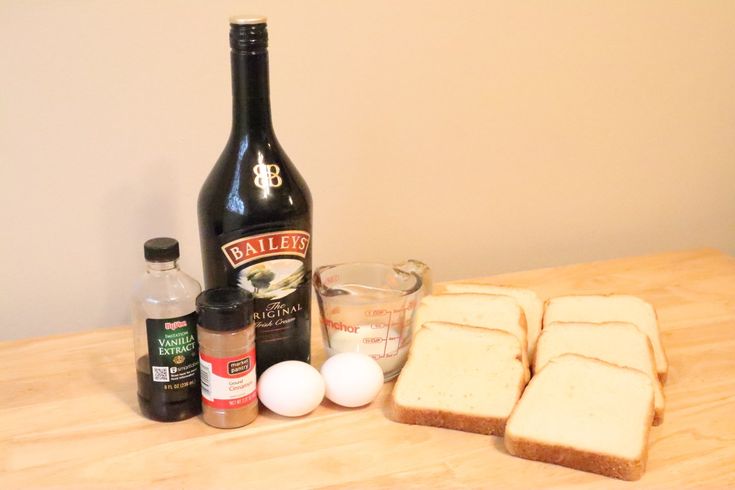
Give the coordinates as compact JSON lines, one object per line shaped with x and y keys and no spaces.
{"x":295,"y":388}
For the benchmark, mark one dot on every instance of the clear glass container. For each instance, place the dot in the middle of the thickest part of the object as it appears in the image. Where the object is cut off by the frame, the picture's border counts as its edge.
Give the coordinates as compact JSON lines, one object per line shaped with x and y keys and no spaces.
{"x":369,"y":308}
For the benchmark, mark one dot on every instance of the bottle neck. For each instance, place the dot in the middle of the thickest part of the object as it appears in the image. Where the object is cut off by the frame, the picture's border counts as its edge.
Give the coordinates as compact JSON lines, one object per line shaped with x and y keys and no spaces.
{"x":158,"y":267}
{"x":251,"y":110}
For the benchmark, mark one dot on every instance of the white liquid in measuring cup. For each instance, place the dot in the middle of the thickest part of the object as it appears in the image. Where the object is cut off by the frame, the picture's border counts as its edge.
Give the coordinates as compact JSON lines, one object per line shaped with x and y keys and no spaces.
{"x":388,"y":354}
{"x":373,"y":321}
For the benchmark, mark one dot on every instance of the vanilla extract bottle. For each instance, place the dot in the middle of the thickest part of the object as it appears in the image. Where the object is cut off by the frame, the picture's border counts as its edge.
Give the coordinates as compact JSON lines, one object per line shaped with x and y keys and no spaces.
{"x":255,"y":210}
{"x":165,"y":335}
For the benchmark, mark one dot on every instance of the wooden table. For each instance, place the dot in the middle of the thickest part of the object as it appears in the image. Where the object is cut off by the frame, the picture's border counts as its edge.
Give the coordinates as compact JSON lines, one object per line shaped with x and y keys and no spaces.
{"x":69,"y":415}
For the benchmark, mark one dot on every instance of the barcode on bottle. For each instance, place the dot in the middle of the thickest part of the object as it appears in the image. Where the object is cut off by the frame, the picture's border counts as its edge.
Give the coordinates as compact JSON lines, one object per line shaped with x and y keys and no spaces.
{"x":206,"y":373}
{"x":160,"y":374}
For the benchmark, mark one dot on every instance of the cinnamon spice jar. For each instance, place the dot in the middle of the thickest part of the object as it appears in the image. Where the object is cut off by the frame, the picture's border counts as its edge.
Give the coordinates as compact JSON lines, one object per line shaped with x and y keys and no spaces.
{"x":226,"y":336}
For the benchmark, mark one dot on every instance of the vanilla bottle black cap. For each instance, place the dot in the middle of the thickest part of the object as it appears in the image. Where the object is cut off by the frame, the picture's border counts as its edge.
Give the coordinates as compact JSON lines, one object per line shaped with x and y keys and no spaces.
{"x":162,"y":249}
{"x":225,"y":309}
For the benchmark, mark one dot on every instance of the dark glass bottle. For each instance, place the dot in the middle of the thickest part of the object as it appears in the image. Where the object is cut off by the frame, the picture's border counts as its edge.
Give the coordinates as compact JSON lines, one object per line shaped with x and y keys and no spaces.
{"x":255,"y":211}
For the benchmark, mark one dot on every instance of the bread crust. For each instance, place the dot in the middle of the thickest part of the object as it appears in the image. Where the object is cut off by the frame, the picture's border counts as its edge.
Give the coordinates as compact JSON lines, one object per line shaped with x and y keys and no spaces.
{"x":524,"y":348}
{"x":658,"y":415}
{"x":662,"y":376}
{"x":601,"y":464}
{"x":440,"y":418}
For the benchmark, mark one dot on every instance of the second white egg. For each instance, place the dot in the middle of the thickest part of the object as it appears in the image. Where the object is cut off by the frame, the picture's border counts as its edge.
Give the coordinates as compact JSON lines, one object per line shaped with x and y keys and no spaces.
{"x":352,"y":379}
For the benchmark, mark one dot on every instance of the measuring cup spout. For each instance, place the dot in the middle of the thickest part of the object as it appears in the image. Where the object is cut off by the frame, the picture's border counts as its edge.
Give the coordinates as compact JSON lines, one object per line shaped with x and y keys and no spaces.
{"x":420,"y":269}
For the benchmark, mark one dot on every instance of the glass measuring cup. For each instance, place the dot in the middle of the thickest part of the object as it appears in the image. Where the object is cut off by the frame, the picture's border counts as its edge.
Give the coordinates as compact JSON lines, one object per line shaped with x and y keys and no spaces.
{"x":368,"y":307}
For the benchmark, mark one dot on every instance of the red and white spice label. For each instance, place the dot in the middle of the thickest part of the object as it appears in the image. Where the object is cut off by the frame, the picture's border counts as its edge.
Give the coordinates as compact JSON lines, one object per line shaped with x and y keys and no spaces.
{"x":228,"y":382}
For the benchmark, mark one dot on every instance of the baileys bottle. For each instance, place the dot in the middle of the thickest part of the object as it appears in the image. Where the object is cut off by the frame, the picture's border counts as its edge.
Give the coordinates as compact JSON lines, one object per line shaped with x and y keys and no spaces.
{"x":255,"y":210}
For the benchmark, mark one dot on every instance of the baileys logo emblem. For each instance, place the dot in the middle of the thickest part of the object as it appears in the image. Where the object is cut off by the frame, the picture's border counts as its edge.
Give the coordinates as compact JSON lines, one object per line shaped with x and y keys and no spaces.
{"x":244,"y":250}
{"x":267,"y":176}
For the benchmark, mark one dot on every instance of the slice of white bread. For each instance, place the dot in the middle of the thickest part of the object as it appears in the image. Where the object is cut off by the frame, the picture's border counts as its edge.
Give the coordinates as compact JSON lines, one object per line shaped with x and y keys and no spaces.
{"x":622,"y":344}
{"x":611,"y":308}
{"x":532,"y":305}
{"x":585,"y":414}
{"x":459,"y":377}
{"x":477,"y":310}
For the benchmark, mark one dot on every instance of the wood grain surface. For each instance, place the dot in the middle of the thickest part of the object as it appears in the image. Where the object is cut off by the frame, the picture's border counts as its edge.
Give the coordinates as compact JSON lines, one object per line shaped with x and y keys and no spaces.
{"x":69,"y":415}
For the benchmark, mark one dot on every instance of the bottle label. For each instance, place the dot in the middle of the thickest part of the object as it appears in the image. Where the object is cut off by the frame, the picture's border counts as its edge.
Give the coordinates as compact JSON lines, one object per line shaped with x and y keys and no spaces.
{"x":228,"y":382}
{"x":172,"y":350}
{"x":276,"y":268}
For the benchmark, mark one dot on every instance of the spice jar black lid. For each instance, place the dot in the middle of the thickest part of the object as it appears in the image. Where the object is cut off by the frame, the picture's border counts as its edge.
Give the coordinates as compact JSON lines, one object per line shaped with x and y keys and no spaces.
{"x":225,"y":309}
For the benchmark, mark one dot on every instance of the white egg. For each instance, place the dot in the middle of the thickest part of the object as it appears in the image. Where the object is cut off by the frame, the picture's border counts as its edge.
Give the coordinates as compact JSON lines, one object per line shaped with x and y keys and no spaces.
{"x":352,"y":379}
{"x":291,"y":388}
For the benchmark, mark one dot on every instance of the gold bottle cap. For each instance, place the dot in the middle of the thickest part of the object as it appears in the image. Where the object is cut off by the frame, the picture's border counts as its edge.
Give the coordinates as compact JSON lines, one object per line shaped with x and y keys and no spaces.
{"x":244,"y":20}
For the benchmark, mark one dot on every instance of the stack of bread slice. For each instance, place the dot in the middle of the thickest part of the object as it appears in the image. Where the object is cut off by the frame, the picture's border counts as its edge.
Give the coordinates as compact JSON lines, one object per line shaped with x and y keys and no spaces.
{"x":598,"y":365}
{"x":477,"y":310}
{"x":469,"y":361}
{"x":530,"y":303}
{"x":596,"y":387}
{"x":611,"y":308}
